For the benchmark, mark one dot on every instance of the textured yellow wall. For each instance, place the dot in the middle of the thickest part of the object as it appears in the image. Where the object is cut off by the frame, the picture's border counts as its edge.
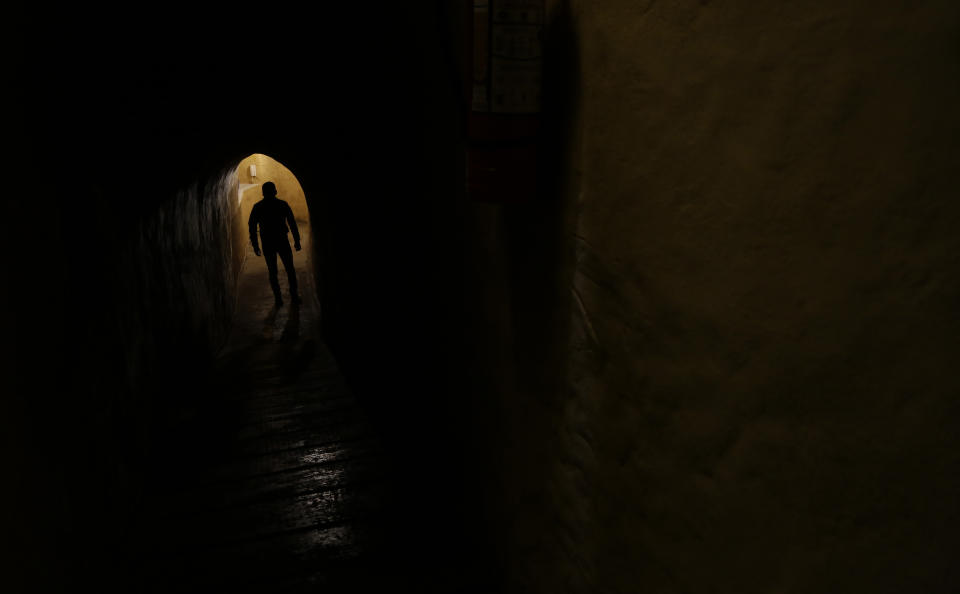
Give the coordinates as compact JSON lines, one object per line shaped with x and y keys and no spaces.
{"x":288,"y":189}
{"x":269,"y":169}
{"x":761,"y":388}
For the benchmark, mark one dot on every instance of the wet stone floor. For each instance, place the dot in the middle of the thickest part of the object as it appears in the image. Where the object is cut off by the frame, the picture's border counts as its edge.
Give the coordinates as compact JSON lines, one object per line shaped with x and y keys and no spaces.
{"x":277,"y":482}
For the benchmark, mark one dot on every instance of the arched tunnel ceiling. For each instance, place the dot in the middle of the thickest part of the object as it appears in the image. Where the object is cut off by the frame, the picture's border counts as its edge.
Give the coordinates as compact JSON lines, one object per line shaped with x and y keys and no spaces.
{"x":269,"y":169}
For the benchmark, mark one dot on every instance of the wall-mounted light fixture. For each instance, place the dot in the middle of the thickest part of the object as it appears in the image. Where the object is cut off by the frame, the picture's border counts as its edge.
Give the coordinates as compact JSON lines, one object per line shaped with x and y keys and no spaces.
{"x":253,"y":171}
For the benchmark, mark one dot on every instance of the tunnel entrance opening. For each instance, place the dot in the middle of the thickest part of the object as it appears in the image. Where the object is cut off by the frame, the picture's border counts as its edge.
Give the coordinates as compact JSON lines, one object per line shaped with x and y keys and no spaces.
{"x":256,"y":318}
{"x":252,"y":172}
{"x":275,"y":477}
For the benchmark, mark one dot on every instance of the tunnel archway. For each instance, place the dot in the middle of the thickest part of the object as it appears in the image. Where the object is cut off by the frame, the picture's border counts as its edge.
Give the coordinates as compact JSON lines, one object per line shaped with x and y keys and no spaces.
{"x":252,"y":172}
{"x":273,"y":429}
{"x":256,"y":169}
{"x":165,"y":307}
{"x":255,"y":314}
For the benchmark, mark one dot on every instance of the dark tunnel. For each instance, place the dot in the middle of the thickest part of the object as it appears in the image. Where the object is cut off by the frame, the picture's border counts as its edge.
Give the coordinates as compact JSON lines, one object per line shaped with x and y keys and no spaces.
{"x":681,"y":317}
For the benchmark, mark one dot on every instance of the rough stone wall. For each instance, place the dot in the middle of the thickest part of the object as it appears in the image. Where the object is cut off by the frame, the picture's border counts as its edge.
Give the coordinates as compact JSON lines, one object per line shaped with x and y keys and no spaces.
{"x":127,"y":304}
{"x":177,"y":278}
{"x":762,"y":390}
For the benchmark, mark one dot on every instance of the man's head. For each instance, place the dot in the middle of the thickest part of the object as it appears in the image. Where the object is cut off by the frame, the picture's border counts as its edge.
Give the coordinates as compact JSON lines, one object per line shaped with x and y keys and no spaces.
{"x":269,"y":190}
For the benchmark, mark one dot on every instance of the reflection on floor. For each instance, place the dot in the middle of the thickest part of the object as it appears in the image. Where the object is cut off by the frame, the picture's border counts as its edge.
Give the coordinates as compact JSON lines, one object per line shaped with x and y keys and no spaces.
{"x":276,"y":482}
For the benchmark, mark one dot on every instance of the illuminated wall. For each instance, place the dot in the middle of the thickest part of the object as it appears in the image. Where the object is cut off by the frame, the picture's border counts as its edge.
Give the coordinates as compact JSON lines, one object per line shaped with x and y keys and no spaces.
{"x":760,"y":389}
{"x":288,"y":189}
{"x":268,"y":169}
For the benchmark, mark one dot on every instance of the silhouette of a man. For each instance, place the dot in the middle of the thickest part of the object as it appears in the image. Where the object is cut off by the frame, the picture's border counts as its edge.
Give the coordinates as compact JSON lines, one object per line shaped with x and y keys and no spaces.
{"x":273,"y":215}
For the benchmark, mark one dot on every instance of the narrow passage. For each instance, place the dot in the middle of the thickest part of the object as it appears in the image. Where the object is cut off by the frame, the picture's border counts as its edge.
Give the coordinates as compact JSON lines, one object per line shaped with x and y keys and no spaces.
{"x":277,"y":485}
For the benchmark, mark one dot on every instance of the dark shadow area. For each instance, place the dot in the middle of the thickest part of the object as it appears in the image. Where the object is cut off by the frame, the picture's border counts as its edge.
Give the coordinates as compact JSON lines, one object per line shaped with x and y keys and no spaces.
{"x":117,"y":339}
{"x":291,"y":330}
{"x":519,"y":329}
{"x":538,"y":232}
{"x":270,"y":320}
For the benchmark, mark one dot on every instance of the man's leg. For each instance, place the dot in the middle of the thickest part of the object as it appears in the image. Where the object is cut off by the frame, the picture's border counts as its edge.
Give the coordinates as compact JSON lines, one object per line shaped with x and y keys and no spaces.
{"x":270,"y":255}
{"x":286,"y":256}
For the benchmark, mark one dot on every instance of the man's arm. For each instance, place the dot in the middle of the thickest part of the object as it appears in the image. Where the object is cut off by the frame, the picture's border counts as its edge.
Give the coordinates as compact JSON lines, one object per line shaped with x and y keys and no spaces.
{"x":293,"y":228}
{"x":252,"y":224}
